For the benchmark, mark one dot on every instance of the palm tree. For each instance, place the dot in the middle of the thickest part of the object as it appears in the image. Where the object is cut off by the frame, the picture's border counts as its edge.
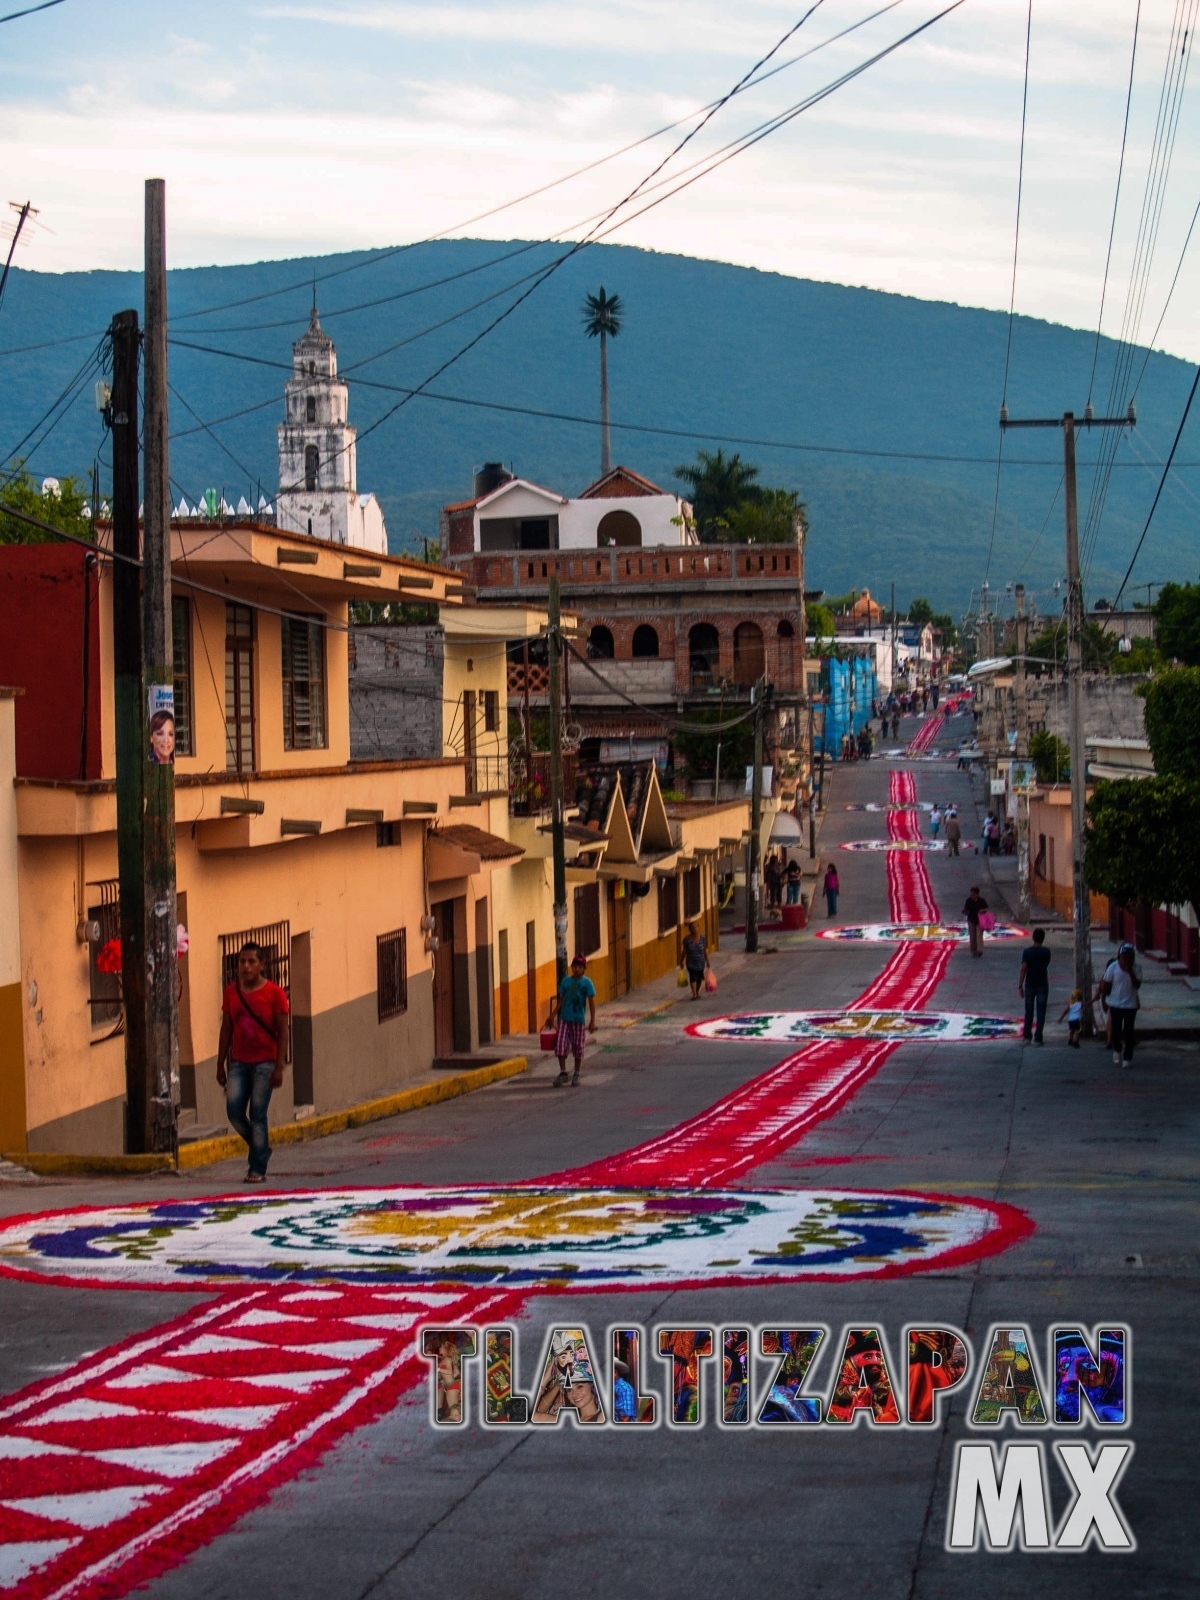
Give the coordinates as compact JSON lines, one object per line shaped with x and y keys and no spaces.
{"x":602,"y":319}
{"x":718,"y":484}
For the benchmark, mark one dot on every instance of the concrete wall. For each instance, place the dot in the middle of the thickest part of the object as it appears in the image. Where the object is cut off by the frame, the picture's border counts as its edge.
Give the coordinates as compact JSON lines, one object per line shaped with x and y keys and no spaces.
{"x":12,"y":1043}
{"x":396,"y":709}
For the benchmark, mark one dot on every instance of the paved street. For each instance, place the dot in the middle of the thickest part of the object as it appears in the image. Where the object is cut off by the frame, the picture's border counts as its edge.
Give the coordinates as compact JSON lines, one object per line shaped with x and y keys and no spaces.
{"x":1100,"y":1161}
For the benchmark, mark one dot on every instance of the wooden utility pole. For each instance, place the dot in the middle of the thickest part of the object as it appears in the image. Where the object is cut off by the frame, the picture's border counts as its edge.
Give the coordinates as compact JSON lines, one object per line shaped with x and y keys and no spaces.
{"x":555,"y":646}
{"x":162,"y":1021}
{"x":129,"y":715}
{"x":1081,"y":905}
{"x":1022,"y":753}
{"x":753,"y":874}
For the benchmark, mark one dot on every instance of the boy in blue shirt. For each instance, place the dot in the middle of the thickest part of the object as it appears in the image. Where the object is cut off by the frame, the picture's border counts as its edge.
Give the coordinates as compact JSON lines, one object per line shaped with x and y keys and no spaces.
{"x":576,"y":1006}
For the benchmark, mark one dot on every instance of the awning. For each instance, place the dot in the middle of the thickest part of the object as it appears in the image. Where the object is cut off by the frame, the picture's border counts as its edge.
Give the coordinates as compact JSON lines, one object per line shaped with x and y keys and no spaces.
{"x":460,"y":850}
{"x":785,"y":829}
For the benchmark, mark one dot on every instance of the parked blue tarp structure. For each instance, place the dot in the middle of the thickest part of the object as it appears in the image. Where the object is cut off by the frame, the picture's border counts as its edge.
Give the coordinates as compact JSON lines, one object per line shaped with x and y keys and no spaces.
{"x":849,"y":688}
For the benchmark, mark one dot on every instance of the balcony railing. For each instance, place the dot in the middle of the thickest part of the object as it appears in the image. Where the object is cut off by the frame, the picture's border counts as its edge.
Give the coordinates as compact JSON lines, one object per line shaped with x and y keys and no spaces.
{"x":526,"y":780}
{"x":539,"y":678}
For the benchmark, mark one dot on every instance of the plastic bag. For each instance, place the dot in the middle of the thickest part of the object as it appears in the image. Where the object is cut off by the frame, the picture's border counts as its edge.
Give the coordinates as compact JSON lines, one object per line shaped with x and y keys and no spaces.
{"x":987,"y":921}
{"x":681,"y":981}
{"x":710,"y":981}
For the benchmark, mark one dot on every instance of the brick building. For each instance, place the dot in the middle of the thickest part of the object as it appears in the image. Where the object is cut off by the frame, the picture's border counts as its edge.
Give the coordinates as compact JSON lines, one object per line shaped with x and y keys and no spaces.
{"x":664,"y":627}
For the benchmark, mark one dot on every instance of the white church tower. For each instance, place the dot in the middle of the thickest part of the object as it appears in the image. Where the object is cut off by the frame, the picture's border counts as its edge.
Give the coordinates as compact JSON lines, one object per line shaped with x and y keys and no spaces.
{"x":318,"y":475}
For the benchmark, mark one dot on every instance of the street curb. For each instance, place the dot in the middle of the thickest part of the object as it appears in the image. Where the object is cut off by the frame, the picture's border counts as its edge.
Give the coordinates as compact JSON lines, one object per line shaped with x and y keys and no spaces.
{"x":203,"y":1152}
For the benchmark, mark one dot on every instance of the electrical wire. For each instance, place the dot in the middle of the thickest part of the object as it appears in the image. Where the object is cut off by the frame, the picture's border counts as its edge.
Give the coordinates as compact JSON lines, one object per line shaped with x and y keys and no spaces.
{"x":30,"y":11}
{"x":1161,"y":482}
{"x":1012,"y":296}
{"x":1112,"y":227}
{"x":1153,"y":339}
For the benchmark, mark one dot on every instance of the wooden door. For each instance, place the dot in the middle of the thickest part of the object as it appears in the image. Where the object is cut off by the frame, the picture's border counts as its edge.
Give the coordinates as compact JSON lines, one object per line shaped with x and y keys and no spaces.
{"x":618,"y":938}
{"x":443,"y":979}
{"x":531,"y":1000}
{"x":502,"y":957}
{"x":483,"y":972}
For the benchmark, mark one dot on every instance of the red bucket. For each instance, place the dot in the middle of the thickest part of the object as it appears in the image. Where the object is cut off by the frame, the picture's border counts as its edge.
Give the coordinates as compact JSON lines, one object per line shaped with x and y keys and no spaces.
{"x":548,"y":1037}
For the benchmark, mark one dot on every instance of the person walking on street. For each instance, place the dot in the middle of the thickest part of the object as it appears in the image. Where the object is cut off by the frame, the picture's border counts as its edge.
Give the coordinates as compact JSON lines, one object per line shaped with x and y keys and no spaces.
{"x":773,"y":873}
{"x":829,"y":888}
{"x":1073,"y":1012}
{"x":795,"y":877}
{"x":1119,"y":987}
{"x":935,"y":821}
{"x":576,"y":1005}
{"x":695,"y":959}
{"x":251,"y":1053}
{"x":953,"y":833}
{"x":1033,"y":985}
{"x":973,"y":909}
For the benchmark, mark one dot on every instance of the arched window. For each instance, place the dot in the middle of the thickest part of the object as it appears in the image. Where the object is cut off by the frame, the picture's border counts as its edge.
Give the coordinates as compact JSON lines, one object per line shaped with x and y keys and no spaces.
{"x":748,"y":657}
{"x":785,"y":630}
{"x":620,"y":528}
{"x":312,"y":369}
{"x":704,"y":649}
{"x":312,"y":460}
{"x":645,"y":643}
{"x":600,"y":643}
{"x":310,"y":409}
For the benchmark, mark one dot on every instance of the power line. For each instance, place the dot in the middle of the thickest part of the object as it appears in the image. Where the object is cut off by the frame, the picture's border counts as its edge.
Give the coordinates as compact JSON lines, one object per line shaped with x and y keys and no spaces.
{"x":1112,"y":227}
{"x":30,"y":10}
{"x":1161,"y":482}
{"x":1012,"y":296}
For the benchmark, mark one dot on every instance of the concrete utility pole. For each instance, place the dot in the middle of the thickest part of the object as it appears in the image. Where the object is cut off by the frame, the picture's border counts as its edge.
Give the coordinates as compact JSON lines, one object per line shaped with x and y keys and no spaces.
{"x":554,"y":643}
{"x":753,"y":873}
{"x":1080,"y":902}
{"x":162,"y":1021}
{"x":1022,"y":752}
{"x":129,"y":716}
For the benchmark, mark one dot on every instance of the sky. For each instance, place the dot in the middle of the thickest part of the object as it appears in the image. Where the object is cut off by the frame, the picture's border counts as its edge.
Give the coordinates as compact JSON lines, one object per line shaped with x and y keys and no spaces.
{"x":284,"y":127}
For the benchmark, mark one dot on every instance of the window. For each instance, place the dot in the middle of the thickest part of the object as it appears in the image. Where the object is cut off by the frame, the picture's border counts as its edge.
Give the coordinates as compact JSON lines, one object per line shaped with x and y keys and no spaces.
{"x":303,"y":684}
{"x":785,"y":630}
{"x":104,"y":954}
{"x":274,"y":939}
{"x":491,"y":710}
{"x":391,"y":961}
{"x":691,"y":893}
{"x":668,"y":904}
{"x":587,"y":919}
{"x":310,"y":409}
{"x":704,"y":649}
{"x":645,"y":643}
{"x":600,"y":644}
{"x":619,"y":528}
{"x":181,"y":634}
{"x":312,"y":461}
{"x":387,"y":834}
{"x":239,"y":688}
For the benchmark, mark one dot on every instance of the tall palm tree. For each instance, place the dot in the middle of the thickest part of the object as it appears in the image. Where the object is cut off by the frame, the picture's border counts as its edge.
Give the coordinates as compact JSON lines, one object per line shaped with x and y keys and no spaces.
{"x":719,"y":484}
{"x":602,"y":319}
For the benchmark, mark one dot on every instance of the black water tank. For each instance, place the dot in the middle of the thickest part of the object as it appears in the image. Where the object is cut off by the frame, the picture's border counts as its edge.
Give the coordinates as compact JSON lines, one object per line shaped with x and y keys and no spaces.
{"x":490,"y":476}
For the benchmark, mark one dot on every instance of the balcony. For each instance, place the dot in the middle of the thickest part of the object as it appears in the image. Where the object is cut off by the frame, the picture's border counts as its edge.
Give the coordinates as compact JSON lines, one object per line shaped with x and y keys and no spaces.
{"x":526,"y":782}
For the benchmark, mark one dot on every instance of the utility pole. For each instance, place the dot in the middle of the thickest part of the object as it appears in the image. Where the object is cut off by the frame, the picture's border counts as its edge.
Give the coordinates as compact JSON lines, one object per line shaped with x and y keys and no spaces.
{"x":752,"y":847}
{"x":129,"y":716}
{"x":1081,"y":906}
{"x":1022,"y":708}
{"x":162,"y":1021}
{"x":24,"y":212}
{"x":892,"y":668}
{"x":554,"y":642}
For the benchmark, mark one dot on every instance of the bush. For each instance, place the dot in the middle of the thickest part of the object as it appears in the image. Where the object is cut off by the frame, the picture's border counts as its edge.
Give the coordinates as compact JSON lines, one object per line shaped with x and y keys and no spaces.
{"x":1173,"y":722}
{"x":1051,"y":757}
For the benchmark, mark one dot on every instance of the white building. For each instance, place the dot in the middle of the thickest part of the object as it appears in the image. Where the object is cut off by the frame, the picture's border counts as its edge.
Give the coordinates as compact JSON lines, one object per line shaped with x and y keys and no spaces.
{"x":318,"y":472}
{"x":621,"y":508}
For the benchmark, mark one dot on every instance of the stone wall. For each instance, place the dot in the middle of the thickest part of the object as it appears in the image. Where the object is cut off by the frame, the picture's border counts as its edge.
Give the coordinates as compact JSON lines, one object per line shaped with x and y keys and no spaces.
{"x":1112,"y":708}
{"x":395,"y":692}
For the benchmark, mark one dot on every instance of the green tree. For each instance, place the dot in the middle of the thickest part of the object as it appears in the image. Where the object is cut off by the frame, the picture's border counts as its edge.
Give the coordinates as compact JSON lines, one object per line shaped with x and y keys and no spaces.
{"x":1142,"y":846}
{"x":1142,"y":656}
{"x":1099,"y":647}
{"x":820,"y":621}
{"x":698,"y":751}
{"x":64,"y":510}
{"x":1173,"y":722}
{"x":602,"y":316}
{"x":1051,"y":757}
{"x":1177,"y":621}
{"x":772,"y":518}
{"x":718,"y":485}
{"x":920,"y":611}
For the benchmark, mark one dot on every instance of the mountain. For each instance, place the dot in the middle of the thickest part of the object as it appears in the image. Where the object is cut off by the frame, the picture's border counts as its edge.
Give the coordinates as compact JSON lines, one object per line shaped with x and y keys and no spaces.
{"x":708,"y":349}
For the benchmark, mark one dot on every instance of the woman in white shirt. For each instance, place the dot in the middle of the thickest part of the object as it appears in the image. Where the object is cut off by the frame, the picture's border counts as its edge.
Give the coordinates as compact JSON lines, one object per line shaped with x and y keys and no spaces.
{"x":1119,"y":987}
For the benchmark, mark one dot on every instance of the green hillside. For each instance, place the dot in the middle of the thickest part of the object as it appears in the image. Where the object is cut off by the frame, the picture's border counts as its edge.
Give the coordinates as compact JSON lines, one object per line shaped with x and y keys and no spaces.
{"x":709,"y":349}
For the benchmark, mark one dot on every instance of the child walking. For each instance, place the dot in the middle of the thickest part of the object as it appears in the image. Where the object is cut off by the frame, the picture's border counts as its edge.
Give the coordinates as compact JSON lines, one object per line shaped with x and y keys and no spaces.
{"x":1074,"y":1015}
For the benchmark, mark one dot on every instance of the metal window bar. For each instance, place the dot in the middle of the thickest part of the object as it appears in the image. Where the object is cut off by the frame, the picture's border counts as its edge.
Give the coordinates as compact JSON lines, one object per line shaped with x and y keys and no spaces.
{"x":104,"y":988}
{"x":275,"y":940}
{"x":391,"y":962}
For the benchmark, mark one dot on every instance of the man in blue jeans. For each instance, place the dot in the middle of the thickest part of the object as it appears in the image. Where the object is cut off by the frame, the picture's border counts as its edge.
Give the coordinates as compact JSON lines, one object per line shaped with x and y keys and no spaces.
{"x":251,"y":1054}
{"x":1034,"y":984}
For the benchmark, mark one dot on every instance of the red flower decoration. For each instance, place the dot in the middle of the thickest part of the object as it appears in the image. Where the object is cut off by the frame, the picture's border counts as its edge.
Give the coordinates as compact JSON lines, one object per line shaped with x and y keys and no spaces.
{"x":108,"y":957}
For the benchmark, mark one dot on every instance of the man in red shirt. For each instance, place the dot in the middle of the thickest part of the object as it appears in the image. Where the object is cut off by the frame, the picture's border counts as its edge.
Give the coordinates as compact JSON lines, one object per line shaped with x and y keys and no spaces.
{"x":251,"y":1054}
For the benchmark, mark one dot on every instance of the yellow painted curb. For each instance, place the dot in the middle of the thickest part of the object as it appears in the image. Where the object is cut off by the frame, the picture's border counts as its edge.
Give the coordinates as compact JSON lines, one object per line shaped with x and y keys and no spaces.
{"x":49,"y":1164}
{"x":202,"y":1152}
